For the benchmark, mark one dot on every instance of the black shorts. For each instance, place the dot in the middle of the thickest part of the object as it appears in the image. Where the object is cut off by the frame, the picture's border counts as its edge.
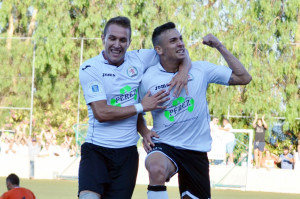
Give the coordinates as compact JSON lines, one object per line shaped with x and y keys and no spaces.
{"x":193,"y":170}
{"x":260,"y":146}
{"x":109,"y":172}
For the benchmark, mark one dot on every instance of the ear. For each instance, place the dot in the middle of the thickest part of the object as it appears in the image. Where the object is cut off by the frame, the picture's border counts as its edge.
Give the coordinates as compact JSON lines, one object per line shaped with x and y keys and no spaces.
{"x":158,"y":49}
{"x":103,"y":39}
{"x":129,"y":42}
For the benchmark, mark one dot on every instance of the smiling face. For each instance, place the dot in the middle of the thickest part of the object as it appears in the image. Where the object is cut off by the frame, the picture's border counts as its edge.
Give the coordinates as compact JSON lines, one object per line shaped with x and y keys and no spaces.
{"x":171,"y":45}
{"x":116,"y":42}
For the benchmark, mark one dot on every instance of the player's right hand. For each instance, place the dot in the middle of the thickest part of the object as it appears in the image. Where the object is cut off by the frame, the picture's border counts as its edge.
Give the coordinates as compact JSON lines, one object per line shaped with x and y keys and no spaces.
{"x":153,"y":102}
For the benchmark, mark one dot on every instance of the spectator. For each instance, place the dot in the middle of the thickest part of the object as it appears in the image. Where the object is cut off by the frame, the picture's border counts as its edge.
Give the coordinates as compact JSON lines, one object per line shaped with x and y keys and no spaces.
{"x":286,"y":159}
{"x":14,"y":189}
{"x":12,"y":149}
{"x":46,"y":151}
{"x":214,"y":125}
{"x":229,"y":139}
{"x":260,"y":127}
{"x":34,"y":150}
{"x":4,"y":143}
{"x":22,"y":148}
{"x":268,"y":161}
{"x":297,"y":158}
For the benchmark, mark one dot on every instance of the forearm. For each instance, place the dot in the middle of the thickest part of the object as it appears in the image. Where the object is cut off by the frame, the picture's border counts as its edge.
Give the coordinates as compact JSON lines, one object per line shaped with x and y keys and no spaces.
{"x":186,"y":64}
{"x":265,"y":124}
{"x":141,"y":125}
{"x":241,"y":75}
{"x":113,"y":113}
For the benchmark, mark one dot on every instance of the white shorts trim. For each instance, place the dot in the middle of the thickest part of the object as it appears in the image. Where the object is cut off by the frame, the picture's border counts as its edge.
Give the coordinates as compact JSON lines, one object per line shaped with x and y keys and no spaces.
{"x":168,"y":158}
{"x":189,"y":194}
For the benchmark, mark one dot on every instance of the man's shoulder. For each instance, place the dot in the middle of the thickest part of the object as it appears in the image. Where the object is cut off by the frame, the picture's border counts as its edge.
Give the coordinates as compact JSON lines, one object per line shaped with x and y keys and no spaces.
{"x":92,"y":62}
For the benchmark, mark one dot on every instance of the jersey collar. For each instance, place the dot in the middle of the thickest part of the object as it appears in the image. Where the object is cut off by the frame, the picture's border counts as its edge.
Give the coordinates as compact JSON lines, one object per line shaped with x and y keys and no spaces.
{"x":161,"y":68}
{"x":103,"y":60}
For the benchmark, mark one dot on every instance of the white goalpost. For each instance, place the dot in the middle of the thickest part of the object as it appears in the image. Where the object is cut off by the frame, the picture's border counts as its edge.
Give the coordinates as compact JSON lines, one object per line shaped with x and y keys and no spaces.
{"x":232,"y":176}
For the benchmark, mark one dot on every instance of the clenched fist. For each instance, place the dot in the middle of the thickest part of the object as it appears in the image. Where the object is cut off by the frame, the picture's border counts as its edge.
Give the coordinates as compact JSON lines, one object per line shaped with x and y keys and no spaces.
{"x":211,"y":41}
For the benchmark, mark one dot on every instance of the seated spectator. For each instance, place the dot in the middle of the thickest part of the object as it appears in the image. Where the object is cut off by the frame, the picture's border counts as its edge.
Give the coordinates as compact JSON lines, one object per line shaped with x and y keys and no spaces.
{"x":229,"y":139}
{"x":297,"y":158}
{"x":286,"y":159}
{"x":14,"y":189}
{"x":268,"y":161}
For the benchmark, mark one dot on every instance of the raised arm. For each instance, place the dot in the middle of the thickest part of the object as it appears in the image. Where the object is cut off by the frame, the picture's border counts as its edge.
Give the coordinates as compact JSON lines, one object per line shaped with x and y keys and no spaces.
{"x":263,"y":121}
{"x":255,"y":120}
{"x":104,"y":112}
{"x":240,"y":75}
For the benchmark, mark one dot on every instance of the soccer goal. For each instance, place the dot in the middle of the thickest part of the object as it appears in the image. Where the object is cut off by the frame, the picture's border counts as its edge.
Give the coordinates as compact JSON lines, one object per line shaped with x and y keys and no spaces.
{"x":231,"y":175}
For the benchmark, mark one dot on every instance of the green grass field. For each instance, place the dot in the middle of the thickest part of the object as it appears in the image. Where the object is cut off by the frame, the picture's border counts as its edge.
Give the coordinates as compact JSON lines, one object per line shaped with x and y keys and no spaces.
{"x":63,"y":189}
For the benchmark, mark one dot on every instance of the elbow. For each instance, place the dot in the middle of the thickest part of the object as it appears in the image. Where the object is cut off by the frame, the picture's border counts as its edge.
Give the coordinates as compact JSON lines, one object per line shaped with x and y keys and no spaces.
{"x":101,"y":117}
{"x":247,"y":79}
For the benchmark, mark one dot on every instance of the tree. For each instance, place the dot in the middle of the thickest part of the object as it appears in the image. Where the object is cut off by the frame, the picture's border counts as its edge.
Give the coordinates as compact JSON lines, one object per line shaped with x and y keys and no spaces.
{"x":264,"y":35}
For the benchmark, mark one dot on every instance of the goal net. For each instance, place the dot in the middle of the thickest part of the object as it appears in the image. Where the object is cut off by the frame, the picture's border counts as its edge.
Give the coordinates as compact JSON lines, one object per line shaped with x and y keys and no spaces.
{"x":224,"y":172}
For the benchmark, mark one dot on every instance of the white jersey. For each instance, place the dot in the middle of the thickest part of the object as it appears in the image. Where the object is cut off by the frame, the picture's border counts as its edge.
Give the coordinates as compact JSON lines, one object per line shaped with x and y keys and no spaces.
{"x":119,"y":86}
{"x":185,"y":122}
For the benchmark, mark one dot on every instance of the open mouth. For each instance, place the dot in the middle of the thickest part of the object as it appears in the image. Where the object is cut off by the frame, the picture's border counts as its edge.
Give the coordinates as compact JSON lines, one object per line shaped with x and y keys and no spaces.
{"x":115,"y":52}
{"x":181,"y":51}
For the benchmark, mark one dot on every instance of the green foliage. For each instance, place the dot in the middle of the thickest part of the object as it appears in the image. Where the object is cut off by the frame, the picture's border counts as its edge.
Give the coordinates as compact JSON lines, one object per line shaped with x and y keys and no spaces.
{"x":259,"y":33}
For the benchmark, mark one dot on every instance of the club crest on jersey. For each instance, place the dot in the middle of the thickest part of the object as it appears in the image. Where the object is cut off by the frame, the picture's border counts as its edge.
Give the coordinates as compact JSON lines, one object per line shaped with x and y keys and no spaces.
{"x":132,"y":72}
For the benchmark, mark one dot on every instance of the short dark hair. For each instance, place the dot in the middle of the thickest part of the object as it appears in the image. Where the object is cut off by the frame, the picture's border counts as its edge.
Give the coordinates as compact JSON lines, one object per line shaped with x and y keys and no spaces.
{"x":119,"y":20}
{"x":13,"y":179}
{"x":159,"y":30}
{"x":286,"y":148}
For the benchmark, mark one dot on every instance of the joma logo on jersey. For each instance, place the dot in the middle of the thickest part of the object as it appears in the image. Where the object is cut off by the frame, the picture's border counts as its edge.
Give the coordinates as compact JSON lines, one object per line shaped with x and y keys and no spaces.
{"x":126,"y":94}
{"x":108,"y":75}
{"x":132,"y":71}
{"x":179,"y":105}
{"x":161,"y":86}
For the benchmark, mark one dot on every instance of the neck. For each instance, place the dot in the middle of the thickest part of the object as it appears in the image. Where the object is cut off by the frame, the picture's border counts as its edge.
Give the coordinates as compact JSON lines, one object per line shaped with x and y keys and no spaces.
{"x":170,"y":65}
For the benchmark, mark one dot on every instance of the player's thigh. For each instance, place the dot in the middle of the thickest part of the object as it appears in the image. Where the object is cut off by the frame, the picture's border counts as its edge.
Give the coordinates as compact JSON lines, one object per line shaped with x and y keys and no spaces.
{"x":193,"y":176}
{"x":123,"y":174}
{"x":93,"y":173}
{"x":159,"y":161}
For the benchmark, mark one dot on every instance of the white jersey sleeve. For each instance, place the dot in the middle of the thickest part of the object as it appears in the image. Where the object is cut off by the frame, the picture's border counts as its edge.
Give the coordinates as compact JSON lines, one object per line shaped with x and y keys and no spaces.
{"x":148,"y":57}
{"x":92,"y":85}
{"x":216,"y":74}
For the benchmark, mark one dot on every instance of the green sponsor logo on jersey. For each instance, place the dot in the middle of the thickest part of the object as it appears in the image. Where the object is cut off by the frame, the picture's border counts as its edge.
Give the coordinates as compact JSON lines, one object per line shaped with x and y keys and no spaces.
{"x":179,"y":105}
{"x":126,"y":94}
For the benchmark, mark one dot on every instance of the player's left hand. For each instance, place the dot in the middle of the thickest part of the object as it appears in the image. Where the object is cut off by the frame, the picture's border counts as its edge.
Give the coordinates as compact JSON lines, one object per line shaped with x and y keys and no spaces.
{"x":147,"y":140}
{"x":212,"y":41}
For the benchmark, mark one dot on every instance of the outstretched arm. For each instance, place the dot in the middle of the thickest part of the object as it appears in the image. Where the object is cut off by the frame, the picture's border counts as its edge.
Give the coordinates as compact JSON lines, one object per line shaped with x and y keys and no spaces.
{"x":104,"y":112}
{"x":240,"y":75}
